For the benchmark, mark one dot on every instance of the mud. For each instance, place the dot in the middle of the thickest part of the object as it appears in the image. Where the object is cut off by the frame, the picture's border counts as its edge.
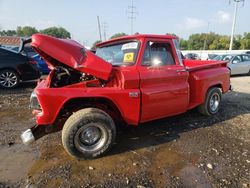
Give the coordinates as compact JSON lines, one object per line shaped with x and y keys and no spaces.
{"x":188,"y":150}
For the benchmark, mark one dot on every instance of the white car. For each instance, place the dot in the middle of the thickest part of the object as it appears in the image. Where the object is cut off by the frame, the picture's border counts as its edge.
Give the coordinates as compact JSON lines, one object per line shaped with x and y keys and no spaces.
{"x":240,"y":64}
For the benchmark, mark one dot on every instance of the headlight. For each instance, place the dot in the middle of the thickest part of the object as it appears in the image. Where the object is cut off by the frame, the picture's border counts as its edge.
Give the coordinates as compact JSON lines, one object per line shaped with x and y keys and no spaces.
{"x":34,"y":103}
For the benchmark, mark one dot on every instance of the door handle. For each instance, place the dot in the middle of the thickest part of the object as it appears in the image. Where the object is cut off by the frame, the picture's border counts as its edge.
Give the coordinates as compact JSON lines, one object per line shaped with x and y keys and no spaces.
{"x":182,"y":70}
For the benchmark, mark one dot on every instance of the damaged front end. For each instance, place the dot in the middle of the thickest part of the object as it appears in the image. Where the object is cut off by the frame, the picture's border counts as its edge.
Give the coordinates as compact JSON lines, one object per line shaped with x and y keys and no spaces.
{"x":72,"y":66}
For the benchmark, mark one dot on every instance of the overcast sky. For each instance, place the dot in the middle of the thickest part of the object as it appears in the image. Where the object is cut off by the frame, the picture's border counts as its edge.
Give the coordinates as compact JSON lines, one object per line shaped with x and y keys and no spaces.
{"x":79,"y":17}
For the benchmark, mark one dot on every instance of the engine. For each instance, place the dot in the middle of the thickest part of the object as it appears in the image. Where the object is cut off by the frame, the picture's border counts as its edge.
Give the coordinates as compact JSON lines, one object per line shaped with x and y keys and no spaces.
{"x":63,"y":76}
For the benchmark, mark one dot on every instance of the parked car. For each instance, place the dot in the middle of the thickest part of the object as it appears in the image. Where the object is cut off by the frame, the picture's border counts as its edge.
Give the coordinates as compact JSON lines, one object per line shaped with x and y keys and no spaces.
{"x":28,"y":51}
{"x":192,"y":56}
{"x":239,"y":64}
{"x":130,"y":80}
{"x":15,"y":67}
{"x":223,"y":57}
{"x":42,"y":66}
{"x":211,"y":56}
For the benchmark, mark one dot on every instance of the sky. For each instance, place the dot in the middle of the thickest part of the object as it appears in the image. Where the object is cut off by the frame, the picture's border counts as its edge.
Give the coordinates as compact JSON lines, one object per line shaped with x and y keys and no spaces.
{"x":79,"y":17}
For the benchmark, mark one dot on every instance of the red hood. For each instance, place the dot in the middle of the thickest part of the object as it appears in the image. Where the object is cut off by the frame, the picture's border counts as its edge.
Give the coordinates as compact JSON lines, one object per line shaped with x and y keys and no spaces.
{"x":72,"y":54}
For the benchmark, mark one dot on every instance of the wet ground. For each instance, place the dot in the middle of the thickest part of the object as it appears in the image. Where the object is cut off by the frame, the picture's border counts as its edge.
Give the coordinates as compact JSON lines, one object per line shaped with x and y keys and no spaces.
{"x":188,"y":150}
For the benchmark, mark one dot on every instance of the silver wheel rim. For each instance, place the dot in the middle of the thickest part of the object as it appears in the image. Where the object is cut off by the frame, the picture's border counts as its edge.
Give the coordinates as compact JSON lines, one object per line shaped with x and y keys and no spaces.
{"x":8,"y":79}
{"x":90,"y":137}
{"x":214,"y":102}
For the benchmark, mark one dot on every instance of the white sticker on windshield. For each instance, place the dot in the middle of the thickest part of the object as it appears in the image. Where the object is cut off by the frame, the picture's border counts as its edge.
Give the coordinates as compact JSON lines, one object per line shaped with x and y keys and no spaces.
{"x":131,"y":45}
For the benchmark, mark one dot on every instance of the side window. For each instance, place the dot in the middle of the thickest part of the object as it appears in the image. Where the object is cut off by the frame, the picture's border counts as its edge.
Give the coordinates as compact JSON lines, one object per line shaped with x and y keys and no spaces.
{"x":237,"y":59}
{"x":178,"y":50}
{"x":246,"y":57}
{"x":158,"y":54}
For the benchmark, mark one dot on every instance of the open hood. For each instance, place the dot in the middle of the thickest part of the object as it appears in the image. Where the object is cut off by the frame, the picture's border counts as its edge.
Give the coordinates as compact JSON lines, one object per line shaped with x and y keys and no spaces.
{"x":68,"y":52}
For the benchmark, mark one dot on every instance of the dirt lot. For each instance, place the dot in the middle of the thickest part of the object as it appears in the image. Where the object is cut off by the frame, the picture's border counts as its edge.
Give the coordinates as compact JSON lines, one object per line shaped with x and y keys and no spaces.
{"x":189,"y":150}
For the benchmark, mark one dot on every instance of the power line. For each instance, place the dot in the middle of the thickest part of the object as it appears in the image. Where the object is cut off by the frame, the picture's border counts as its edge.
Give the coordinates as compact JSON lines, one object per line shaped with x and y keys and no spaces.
{"x":234,"y":20}
{"x":132,"y":15}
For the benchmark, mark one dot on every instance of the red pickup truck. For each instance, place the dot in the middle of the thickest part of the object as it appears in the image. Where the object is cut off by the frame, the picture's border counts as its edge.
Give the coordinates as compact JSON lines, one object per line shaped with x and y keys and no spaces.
{"x":132,"y":80}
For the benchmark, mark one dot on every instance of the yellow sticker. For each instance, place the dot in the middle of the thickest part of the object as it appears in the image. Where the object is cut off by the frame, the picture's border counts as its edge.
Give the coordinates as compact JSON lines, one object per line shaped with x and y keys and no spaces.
{"x":128,"y":57}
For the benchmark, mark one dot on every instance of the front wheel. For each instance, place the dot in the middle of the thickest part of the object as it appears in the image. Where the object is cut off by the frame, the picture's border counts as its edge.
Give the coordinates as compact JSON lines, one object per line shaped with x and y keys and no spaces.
{"x":88,"y":133}
{"x":212,"y":102}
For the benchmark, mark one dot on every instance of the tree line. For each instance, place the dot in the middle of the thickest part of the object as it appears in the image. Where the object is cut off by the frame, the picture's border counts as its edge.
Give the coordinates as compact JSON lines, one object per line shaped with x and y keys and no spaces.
{"x":213,"y":41}
{"x":27,"y":31}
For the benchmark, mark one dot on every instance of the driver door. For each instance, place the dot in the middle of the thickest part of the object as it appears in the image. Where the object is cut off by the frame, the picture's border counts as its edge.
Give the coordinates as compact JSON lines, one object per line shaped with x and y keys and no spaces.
{"x":164,"y":81}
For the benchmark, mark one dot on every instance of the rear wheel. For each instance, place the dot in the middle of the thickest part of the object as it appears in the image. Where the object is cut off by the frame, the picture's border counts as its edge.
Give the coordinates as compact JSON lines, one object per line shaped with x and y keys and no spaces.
{"x":9,"y":79}
{"x":212,"y":102}
{"x":88,"y":133}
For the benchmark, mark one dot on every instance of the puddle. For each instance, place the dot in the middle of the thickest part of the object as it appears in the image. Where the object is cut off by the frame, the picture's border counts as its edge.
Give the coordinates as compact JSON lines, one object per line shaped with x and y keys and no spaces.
{"x":15,"y":162}
{"x":192,"y":176}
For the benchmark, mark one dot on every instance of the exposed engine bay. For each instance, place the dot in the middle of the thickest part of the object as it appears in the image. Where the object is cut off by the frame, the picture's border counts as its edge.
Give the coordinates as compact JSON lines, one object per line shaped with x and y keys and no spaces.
{"x":63,"y":76}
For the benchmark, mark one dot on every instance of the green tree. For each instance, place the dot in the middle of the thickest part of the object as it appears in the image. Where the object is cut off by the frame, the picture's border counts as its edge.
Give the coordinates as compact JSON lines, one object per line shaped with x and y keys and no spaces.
{"x":118,"y":35}
{"x":94,"y":44}
{"x":25,"y":31}
{"x":8,"y":33}
{"x":199,"y":41}
{"x":58,"y":32}
{"x":183,"y":44}
{"x":245,"y":41}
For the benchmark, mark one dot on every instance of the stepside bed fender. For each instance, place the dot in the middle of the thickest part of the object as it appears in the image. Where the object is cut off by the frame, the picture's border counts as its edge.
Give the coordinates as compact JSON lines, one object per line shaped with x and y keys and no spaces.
{"x":202,"y":80}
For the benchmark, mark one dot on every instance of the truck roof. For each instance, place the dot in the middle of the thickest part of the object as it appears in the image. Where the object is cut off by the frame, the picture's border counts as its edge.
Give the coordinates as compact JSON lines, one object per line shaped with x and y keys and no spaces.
{"x":136,"y":37}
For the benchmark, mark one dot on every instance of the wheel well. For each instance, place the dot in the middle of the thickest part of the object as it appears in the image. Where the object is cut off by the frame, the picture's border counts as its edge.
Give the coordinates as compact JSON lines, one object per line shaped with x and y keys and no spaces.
{"x":10,"y":68}
{"x":217,"y":85}
{"x":104,"y":104}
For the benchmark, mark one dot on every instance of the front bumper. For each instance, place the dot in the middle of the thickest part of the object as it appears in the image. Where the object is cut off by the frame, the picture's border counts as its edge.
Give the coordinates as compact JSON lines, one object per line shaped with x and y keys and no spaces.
{"x":32,"y":134}
{"x":38,"y":131}
{"x":27,"y":137}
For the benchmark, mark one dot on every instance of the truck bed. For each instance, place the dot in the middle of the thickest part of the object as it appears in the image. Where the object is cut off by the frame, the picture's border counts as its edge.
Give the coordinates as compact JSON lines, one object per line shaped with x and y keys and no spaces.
{"x":193,"y":65}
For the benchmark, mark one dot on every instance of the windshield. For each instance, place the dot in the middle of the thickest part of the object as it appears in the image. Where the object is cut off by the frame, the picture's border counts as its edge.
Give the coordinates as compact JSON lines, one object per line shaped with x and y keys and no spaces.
{"x":119,"y":54}
{"x":223,"y":57}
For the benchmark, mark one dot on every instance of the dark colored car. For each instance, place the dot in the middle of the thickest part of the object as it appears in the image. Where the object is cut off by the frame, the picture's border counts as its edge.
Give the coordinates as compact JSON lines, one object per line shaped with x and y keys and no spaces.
{"x":15,"y":67}
{"x":28,"y":51}
{"x":42,"y":66}
{"x":192,"y":56}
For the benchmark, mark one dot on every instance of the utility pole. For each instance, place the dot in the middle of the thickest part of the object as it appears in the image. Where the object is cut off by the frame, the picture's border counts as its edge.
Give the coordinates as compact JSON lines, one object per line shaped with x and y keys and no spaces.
{"x":99,"y":28}
{"x":234,"y":20}
{"x":105,"y":26}
{"x":205,"y":41}
{"x":132,"y":15}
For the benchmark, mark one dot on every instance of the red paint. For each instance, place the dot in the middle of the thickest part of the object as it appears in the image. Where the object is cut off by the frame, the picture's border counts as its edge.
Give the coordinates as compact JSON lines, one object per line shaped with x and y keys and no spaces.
{"x":72,"y":54}
{"x":140,"y":93}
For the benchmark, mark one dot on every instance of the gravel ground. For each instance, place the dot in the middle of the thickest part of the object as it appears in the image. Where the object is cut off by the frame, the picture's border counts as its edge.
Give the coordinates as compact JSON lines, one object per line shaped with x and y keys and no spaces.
{"x":188,"y":150}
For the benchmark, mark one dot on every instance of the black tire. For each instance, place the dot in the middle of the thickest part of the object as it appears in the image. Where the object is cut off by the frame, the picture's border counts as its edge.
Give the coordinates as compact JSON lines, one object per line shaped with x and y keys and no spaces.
{"x":212,"y":102}
{"x":84,"y":127}
{"x":9,"y":79}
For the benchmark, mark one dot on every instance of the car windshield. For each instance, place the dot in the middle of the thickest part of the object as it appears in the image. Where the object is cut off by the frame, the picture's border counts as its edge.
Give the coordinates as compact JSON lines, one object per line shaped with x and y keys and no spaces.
{"x":223,"y":57}
{"x":124,"y":53}
{"x":218,"y":57}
